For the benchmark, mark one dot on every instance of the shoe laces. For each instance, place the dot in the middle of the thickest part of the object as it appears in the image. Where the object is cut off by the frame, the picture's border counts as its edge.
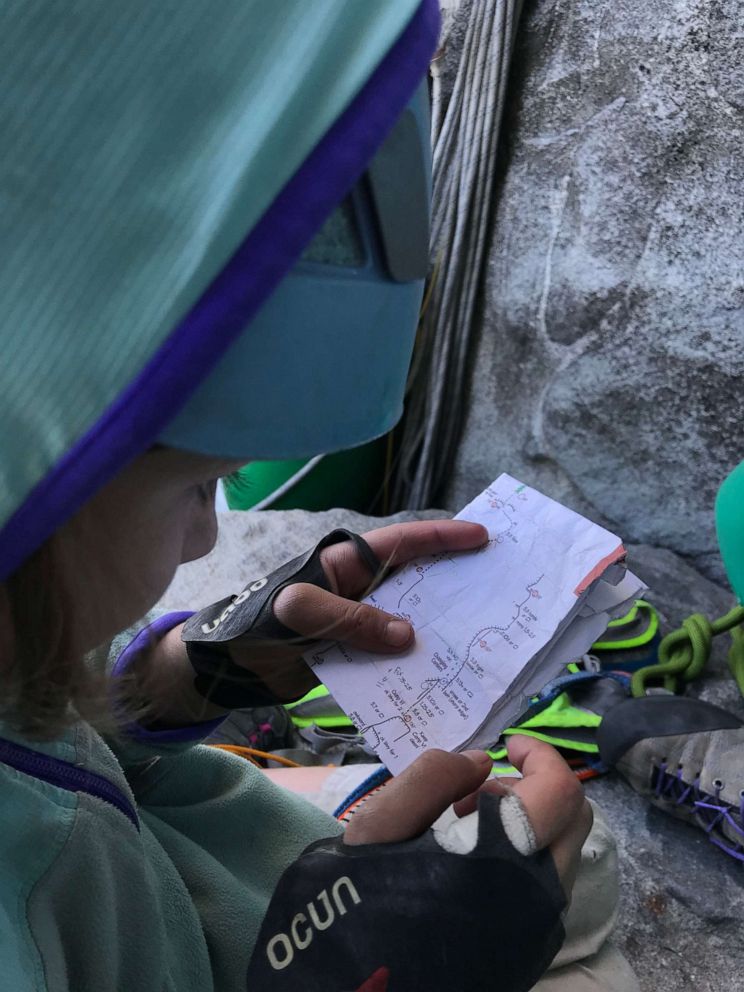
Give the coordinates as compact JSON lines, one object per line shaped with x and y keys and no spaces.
{"x":711,"y":811}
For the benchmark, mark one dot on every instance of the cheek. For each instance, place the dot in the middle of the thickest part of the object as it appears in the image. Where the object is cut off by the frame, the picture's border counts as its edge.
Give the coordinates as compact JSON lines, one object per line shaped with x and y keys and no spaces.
{"x":199,"y":525}
{"x":176,"y":532}
{"x":115,"y":573}
{"x":146,"y":574}
{"x":118,"y":555}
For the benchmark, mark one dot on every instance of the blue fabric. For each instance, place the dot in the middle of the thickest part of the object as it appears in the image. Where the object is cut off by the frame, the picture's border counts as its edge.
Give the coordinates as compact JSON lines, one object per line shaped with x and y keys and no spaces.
{"x":323,"y":365}
{"x":378,"y":777}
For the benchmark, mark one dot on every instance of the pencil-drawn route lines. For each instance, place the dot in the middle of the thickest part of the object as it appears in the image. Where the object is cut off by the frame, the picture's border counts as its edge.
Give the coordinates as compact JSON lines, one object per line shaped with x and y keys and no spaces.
{"x":435,"y":693}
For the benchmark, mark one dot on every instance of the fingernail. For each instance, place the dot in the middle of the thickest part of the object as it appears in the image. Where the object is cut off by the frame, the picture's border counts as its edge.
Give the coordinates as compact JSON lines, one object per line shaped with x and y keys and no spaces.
{"x":397,"y":633}
{"x":479,"y":757}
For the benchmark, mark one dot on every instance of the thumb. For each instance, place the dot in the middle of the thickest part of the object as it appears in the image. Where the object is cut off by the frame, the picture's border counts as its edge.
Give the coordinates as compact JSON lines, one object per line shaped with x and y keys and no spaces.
{"x":413,"y":800}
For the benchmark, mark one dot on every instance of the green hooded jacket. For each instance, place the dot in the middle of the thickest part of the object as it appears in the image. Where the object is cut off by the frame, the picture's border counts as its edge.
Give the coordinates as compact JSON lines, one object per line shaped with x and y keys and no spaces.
{"x":144,"y":144}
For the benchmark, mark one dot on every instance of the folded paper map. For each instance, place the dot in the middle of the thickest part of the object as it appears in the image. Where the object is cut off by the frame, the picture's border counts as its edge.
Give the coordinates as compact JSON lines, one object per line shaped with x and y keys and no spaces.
{"x":493,"y":626}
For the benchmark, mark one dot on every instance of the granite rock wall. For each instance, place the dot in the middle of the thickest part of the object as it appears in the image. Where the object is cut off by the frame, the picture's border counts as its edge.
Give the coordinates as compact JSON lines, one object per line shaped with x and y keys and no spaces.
{"x":610,"y":362}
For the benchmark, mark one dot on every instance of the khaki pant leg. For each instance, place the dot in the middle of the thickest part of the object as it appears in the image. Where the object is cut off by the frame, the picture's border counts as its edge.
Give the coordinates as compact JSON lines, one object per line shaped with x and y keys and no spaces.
{"x":605,"y":971}
{"x":585,"y":962}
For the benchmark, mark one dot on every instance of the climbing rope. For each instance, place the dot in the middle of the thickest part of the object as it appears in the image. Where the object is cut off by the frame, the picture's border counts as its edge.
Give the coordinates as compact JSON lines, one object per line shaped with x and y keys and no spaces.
{"x":736,"y":656}
{"x":684,"y":653}
{"x":465,"y":140}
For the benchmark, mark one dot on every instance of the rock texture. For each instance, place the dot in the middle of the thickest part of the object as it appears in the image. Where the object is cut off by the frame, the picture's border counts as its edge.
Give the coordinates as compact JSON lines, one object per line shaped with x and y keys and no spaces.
{"x":610,"y":362}
{"x":251,"y":544}
{"x":681,"y":920}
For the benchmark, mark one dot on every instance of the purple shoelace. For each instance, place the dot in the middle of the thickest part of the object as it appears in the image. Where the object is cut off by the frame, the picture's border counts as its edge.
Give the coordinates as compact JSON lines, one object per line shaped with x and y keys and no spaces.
{"x":711,"y":812}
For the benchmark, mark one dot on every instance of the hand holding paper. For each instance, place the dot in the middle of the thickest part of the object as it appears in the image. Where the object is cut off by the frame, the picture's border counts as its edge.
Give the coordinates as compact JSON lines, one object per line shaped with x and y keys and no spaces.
{"x":492,"y":626}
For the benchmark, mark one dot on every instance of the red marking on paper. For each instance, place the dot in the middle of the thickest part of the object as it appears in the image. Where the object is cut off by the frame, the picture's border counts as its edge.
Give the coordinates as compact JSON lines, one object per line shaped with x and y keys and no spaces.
{"x":617,"y":555}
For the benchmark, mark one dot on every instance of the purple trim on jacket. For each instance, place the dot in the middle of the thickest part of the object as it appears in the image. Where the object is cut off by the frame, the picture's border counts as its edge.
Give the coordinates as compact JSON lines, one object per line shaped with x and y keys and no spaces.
{"x":65,"y":775}
{"x":143,"y":640}
{"x":153,"y":398}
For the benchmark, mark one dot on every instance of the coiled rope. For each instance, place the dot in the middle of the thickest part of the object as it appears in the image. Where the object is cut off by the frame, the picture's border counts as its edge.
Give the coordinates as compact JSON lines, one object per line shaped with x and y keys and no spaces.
{"x":465,"y":141}
{"x":684,"y":653}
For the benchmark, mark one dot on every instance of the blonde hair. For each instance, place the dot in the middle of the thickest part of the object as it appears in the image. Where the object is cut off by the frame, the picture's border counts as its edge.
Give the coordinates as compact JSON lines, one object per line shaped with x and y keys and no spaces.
{"x":45,"y":685}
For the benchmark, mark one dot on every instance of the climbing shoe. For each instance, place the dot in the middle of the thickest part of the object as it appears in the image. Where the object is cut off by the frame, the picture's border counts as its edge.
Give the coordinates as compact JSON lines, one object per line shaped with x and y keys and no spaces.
{"x":686,"y":756}
{"x":267,"y":728}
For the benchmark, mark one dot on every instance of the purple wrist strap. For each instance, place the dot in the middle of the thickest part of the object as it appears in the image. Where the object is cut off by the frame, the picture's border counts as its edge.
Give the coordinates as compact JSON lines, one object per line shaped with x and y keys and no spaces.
{"x":144,"y":640}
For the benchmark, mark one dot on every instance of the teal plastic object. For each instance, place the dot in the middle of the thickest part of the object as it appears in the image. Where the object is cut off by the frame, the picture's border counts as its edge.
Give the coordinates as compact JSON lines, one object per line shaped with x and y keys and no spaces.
{"x":352,"y":479}
{"x":730,"y":528}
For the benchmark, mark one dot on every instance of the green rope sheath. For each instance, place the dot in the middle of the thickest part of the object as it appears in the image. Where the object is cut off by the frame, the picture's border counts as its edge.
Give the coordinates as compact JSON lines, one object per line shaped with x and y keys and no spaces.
{"x":736,"y":656}
{"x":684,"y":653}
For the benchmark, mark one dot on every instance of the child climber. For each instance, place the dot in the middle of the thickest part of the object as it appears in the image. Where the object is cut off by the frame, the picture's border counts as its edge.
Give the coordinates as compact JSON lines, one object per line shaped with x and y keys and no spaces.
{"x":165,"y":169}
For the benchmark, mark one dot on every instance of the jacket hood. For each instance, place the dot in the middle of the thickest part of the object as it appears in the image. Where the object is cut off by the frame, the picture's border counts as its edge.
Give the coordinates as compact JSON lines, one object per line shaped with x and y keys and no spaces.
{"x":164,"y":167}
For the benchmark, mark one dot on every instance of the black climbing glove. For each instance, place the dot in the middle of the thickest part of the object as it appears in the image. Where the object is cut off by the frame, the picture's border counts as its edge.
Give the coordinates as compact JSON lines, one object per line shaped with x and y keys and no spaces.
{"x":407,"y":916}
{"x":250,"y":614}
